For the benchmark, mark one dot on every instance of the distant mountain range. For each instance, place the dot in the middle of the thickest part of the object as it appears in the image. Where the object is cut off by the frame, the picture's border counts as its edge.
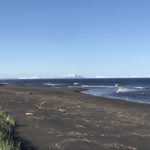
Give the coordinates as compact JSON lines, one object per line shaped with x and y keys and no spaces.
{"x":73,"y":76}
{"x":70,"y":76}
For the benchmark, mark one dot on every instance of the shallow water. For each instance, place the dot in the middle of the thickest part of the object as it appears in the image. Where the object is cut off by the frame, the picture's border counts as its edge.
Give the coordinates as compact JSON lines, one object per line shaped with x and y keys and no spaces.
{"x":137,"y":90}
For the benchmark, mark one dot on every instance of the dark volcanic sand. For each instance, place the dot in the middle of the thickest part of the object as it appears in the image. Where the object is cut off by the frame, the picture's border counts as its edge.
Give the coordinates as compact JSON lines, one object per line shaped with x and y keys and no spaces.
{"x":64,"y":119}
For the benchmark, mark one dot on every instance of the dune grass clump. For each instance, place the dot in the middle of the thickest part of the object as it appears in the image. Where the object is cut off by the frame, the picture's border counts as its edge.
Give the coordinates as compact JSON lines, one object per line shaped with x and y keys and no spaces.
{"x":7,"y":125}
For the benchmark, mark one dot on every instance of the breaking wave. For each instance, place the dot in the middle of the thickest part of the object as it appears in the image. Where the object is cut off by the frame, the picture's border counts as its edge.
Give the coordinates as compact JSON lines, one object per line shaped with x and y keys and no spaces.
{"x":123,"y":90}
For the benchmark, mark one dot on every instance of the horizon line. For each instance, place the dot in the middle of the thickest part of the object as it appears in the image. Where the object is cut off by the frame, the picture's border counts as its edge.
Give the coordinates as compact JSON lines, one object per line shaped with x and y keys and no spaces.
{"x":28,"y":78}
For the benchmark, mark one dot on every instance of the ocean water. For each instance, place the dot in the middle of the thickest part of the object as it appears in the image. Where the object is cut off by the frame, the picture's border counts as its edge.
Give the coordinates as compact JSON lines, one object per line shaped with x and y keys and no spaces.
{"x":135,"y":90}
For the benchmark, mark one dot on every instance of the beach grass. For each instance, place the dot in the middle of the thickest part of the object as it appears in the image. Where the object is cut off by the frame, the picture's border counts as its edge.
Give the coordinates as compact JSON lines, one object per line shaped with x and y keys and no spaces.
{"x":7,"y":124}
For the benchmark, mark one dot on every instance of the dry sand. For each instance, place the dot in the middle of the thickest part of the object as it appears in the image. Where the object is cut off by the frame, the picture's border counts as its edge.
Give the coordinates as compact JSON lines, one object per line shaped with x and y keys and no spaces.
{"x":64,"y":119}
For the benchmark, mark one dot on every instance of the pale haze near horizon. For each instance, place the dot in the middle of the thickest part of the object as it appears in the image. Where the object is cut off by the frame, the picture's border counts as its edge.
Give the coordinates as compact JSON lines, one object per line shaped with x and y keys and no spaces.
{"x":50,"y":38}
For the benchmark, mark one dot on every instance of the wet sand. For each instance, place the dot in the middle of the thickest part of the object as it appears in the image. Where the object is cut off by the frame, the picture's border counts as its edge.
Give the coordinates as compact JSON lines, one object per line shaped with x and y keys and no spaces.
{"x":64,"y":119}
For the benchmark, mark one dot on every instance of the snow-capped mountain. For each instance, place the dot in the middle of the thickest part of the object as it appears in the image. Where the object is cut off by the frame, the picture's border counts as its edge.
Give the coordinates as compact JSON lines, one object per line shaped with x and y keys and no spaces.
{"x":72,"y":76}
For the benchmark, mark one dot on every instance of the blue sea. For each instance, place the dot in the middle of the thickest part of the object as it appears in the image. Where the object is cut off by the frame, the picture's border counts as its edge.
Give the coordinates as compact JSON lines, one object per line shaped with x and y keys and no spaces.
{"x":129,"y":89}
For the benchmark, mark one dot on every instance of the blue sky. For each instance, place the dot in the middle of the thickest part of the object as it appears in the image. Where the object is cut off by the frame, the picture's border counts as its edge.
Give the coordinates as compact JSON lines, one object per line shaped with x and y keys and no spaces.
{"x":88,"y":37}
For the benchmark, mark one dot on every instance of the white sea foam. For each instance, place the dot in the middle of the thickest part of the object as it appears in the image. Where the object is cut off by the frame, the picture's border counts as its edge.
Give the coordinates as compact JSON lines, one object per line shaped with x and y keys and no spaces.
{"x":3,"y":83}
{"x":76,"y":83}
{"x":139,"y":87}
{"x":96,"y":86}
{"x":49,"y":84}
{"x":128,"y":89}
{"x":123,"y":90}
{"x":116,"y":85}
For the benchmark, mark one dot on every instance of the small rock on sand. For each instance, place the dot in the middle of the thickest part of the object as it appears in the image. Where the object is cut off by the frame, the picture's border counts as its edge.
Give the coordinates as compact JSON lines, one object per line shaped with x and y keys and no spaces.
{"x":30,"y":93}
{"x":62,"y":110}
{"x":29,"y":114}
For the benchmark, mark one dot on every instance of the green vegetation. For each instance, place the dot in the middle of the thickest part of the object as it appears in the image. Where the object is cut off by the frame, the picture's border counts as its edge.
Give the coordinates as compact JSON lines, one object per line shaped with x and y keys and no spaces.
{"x":6,"y":126}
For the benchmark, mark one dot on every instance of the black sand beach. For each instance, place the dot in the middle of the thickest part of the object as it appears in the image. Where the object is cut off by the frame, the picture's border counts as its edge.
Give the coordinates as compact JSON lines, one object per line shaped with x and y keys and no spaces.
{"x":64,"y":119}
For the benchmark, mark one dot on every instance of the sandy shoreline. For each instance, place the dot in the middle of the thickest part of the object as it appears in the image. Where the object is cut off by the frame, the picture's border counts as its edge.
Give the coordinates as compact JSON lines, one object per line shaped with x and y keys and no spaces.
{"x":62,"y":118}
